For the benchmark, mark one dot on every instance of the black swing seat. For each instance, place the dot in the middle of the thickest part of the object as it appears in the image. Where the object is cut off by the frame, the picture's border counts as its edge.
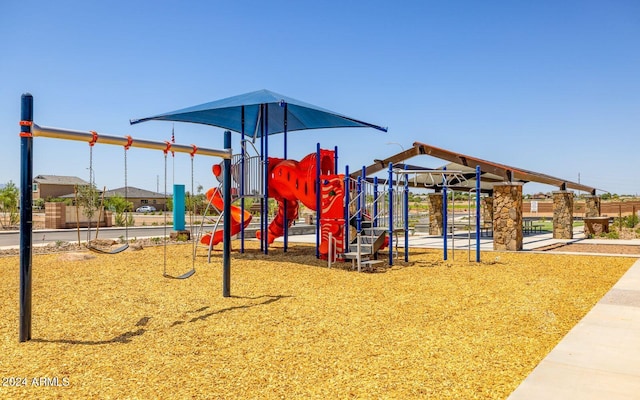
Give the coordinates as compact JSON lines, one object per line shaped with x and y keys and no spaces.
{"x":183,"y":276}
{"x":114,"y":251}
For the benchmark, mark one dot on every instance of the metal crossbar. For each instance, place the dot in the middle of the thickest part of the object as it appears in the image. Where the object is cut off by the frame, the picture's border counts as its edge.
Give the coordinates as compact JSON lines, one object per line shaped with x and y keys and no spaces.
{"x":82,"y":136}
{"x":446,"y":177}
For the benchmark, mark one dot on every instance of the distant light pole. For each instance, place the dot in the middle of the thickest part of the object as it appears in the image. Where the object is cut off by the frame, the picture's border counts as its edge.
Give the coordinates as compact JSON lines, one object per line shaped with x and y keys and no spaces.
{"x":388,"y":143}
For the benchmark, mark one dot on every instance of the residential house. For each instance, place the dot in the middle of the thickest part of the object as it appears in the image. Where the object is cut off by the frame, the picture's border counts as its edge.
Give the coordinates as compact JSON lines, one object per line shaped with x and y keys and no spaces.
{"x":52,"y":186}
{"x":140,"y":197}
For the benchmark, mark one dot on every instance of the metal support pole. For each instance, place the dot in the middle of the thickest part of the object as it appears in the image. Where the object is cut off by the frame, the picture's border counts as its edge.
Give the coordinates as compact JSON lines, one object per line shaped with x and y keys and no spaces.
{"x":477,"y":213}
{"x":444,"y":215}
{"x":26,"y":217}
{"x":284,"y":204}
{"x":359,"y":205}
{"x":359,"y":251}
{"x":347,"y":200}
{"x":262,"y":178}
{"x":406,"y":216}
{"x":266,"y":178}
{"x":318,"y":205}
{"x":390,"y":232}
{"x":226,"y":245}
{"x":243,"y":155}
{"x":363,"y":195}
{"x":375,"y":202}
{"x":335,"y":159}
{"x":453,"y":224}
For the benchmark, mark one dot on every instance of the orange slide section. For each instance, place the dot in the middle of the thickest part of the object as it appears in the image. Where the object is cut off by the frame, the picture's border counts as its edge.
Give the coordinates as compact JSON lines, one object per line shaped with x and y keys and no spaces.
{"x":276,"y":227}
{"x":213,"y":238}
{"x":292,"y":182}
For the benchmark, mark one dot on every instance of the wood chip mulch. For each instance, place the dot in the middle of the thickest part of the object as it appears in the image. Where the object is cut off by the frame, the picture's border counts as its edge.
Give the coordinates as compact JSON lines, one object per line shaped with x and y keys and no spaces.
{"x":110,"y":326}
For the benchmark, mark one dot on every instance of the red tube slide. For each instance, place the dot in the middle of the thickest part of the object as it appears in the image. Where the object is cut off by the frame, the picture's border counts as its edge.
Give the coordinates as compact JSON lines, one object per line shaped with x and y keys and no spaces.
{"x":213,"y":238}
{"x":292,"y":182}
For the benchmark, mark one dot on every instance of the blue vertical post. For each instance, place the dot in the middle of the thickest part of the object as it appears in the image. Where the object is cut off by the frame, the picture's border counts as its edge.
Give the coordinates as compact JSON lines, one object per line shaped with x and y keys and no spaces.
{"x":26,"y":216}
{"x":390,"y":229}
{"x":284,"y":204}
{"x":266,"y":178}
{"x":359,"y":205}
{"x":178,"y":207}
{"x":444,"y":215}
{"x":316,"y":187}
{"x":226,"y":236}
{"x":347,"y":200}
{"x":375,"y":202}
{"x":242,"y":178}
{"x":477,"y":213}
{"x":406,"y":216}
{"x":364,"y":192}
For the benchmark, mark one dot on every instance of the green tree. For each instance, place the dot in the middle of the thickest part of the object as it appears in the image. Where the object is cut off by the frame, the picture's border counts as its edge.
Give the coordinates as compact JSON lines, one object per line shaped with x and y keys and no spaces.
{"x":195,"y":203}
{"x":88,"y":199}
{"x":38,"y":204}
{"x":119,"y":205}
{"x":9,"y":196}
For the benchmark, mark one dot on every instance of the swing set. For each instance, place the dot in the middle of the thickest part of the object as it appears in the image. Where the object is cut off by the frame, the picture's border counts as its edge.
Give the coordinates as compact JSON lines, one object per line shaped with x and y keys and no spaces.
{"x":91,"y":247}
{"x":29,"y":130}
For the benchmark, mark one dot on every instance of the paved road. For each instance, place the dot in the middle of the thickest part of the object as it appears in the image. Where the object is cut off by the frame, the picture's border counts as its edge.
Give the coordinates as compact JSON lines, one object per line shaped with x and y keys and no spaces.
{"x":46,"y":236}
{"x":43,"y":237}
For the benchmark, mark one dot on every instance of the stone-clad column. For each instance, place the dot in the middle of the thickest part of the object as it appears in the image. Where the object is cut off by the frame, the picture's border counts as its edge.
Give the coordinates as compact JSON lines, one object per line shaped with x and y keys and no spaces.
{"x":507,"y":216}
{"x":562,"y":214}
{"x":486,"y":210}
{"x":591,"y":206}
{"x":435,"y":213}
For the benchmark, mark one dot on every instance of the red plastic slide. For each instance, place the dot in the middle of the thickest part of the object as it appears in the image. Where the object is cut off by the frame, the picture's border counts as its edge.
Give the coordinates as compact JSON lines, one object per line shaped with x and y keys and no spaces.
{"x":290,"y":183}
{"x":213,"y":238}
{"x":276,"y":227}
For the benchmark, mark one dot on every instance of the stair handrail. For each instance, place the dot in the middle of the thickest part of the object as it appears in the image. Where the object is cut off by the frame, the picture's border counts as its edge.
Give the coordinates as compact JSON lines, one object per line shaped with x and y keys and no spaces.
{"x":358,"y":252}
{"x":332,"y":253}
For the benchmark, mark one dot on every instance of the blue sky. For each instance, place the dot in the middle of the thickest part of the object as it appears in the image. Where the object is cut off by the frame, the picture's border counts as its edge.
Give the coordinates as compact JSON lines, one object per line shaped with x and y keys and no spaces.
{"x":549,"y":86}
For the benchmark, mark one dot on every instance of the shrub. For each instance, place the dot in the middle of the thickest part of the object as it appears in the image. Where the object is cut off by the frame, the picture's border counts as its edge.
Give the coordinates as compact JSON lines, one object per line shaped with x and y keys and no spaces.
{"x":9,"y":197}
{"x":611,"y":235}
{"x":630,"y":221}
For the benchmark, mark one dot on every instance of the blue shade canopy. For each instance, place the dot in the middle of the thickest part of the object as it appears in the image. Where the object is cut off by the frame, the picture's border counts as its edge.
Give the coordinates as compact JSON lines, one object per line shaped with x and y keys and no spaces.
{"x":227,"y":114}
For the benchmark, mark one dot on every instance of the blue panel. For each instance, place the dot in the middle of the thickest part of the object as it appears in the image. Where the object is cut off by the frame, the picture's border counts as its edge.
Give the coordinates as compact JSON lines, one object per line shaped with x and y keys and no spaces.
{"x":178,"y":207}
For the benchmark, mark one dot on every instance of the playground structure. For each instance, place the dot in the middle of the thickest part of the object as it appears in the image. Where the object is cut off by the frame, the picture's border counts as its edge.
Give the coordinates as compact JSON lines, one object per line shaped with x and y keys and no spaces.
{"x":290,"y":183}
{"x":305,"y":116}
{"x":446,"y":181}
{"x":356,"y":217}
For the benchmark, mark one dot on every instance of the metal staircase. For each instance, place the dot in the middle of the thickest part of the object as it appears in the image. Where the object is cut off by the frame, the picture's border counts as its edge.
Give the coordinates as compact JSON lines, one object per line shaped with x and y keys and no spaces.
{"x":363,"y":249}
